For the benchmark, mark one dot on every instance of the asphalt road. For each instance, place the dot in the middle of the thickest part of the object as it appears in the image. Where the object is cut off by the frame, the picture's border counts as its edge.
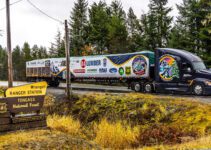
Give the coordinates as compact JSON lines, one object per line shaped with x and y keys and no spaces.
{"x":93,"y":88}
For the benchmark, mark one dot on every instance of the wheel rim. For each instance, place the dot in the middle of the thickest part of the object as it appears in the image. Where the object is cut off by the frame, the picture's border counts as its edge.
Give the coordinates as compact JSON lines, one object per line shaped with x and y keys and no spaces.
{"x":198,"y":89}
{"x":148,"y":88}
{"x":137,"y":87}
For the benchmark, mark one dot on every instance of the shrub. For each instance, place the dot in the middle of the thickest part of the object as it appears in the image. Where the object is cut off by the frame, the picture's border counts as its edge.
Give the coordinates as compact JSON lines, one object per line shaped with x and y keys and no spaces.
{"x":164,"y":134}
{"x":115,"y":135}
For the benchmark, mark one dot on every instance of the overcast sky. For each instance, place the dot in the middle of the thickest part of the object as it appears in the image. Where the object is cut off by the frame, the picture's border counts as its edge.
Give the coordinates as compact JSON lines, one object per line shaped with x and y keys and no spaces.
{"x":27,"y":24}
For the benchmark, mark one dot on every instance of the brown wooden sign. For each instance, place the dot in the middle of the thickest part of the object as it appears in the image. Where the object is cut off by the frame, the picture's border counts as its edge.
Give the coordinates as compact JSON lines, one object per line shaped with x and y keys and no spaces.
{"x":20,"y":109}
{"x":25,"y":104}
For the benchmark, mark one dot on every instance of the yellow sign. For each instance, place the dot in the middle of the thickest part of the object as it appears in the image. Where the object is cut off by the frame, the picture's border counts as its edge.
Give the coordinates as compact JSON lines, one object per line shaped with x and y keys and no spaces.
{"x":34,"y":89}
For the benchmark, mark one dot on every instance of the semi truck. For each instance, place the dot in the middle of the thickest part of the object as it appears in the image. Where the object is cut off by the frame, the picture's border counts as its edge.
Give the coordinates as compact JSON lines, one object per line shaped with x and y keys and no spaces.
{"x":165,"y":70}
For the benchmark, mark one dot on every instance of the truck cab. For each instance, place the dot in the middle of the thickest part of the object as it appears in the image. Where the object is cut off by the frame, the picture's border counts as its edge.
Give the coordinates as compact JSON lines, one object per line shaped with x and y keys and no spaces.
{"x":180,"y":71}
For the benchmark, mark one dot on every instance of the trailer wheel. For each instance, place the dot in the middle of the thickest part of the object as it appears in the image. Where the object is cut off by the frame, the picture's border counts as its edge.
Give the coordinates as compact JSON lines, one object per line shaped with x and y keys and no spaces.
{"x":198,"y":89}
{"x":137,"y":86}
{"x":148,"y":87}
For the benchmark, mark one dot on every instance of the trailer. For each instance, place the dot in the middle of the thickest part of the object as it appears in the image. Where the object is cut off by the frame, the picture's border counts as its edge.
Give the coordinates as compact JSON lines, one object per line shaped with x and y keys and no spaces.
{"x":50,"y":70}
{"x":165,"y":70}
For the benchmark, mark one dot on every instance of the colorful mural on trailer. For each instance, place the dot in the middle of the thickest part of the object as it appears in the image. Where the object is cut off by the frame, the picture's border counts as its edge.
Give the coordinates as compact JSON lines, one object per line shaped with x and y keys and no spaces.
{"x":116,"y":66}
{"x":168,"y":68}
{"x":139,"y":65}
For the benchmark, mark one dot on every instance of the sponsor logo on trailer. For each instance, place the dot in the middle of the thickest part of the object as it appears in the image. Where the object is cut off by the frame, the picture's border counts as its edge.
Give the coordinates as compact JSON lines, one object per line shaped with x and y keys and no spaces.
{"x":104,"y":62}
{"x":128,"y":70}
{"x":93,"y":63}
{"x":113,"y":70}
{"x":102,"y":70}
{"x":83,"y":63}
{"x":121,"y":71}
{"x":79,"y":71}
{"x":91,"y":70}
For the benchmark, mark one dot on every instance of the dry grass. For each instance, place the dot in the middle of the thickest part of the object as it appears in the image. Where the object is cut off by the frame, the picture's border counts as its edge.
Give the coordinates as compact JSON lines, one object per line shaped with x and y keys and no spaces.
{"x":64,"y":124}
{"x":43,"y":140}
{"x":115,"y":135}
{"x":201,"y":143}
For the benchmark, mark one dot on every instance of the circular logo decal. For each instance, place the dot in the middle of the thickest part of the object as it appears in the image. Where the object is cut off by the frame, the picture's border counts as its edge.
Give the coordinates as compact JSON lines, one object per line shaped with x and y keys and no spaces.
{"x":139,"y":65}
{"x":121,"y":71}
{"x":168,"y":68}
{"x":83,"y":63}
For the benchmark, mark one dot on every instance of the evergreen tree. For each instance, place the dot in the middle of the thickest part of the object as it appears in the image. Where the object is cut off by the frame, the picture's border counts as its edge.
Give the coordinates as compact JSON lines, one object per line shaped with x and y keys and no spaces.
{"x":57,"y":49}
{"x":78,"y":23}
{"x":205,"y":29}
{"x":98,"y":26}
{"x":18,"y":64}
{"x":134,"y":29}
{"x":34,"y":52}
{"x":117,"y":29}
{"x":26,"y":52}
{"x":3,"y":64}
{"x":190,"y":22}
{"x":158,"y":24}
{"x":42,"y":52}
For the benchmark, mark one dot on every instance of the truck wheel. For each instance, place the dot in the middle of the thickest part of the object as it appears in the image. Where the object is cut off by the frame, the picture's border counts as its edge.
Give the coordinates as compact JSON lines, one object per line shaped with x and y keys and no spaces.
{"x":148,"y":88}
{"x":137,"y":87}
{"x":198,"y":89}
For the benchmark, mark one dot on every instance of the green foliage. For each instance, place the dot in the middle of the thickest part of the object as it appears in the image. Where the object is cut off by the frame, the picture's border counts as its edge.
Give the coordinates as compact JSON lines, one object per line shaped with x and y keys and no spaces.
{"x":193,"y":27}
{"x":57,"y":49}
{"x":78,"y":23}
{"x":98,"y":26}
{"x":3,"y":64}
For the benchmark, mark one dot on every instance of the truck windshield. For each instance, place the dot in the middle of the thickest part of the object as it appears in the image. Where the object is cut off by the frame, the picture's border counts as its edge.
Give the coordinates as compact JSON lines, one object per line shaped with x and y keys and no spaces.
{"x":199,"y":65}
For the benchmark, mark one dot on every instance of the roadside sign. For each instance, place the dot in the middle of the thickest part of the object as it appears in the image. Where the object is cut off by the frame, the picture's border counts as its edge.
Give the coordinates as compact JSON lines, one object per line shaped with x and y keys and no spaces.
{"x":35,"y":89}
{"x":20,"y":109}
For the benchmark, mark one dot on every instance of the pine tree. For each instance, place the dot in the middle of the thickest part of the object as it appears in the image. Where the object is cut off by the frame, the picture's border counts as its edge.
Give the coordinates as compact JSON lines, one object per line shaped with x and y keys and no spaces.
{"x":18,"y":64}
{"x":42,"y":52}
{"x":98,"y":26}
{"x":205,"y":29}
{"x":57,"y":48}
{"x":134,"y":29}
{"x":158,"y":24}
{"x":34,"y":52}
{"x":26,"y":52}
{"x":117,"y":29}
{"x":78,"y":23}
{"x":3,"y":64}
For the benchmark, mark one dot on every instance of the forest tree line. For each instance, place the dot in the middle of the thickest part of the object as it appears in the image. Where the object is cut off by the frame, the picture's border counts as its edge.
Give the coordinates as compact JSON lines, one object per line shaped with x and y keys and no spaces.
{"x":100,"y":28}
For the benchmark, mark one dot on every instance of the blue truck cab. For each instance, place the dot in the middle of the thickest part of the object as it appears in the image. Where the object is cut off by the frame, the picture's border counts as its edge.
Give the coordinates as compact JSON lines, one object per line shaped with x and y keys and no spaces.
{"x":180,"y":71}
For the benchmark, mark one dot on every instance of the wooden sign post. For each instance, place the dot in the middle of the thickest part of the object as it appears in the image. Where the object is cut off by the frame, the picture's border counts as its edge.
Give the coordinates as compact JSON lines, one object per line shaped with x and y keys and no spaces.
{"x":20,"y":109}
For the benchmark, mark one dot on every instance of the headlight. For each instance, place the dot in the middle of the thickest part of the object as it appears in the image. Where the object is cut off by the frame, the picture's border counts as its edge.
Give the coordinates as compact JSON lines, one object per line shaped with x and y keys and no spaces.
{"x":208,"y":83}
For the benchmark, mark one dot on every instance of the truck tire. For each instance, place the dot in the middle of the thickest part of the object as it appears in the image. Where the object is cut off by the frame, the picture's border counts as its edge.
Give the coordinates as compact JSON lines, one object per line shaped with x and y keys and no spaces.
{"x":198,"y":89}
{"x":148,"y":87}
{"x":137,"y":86}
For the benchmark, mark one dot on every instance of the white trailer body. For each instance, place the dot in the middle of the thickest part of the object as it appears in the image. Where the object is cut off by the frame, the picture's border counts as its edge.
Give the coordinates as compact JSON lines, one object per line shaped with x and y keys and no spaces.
{"x":131,"y":65}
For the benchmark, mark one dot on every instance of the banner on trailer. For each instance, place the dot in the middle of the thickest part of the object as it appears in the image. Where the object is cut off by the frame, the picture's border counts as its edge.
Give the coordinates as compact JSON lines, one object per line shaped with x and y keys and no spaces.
{"x":111,"y":66}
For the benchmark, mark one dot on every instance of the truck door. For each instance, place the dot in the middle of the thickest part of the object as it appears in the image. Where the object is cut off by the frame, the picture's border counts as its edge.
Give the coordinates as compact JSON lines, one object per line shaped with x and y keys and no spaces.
{"x":168,"y":74}
{"x":187,"y":75}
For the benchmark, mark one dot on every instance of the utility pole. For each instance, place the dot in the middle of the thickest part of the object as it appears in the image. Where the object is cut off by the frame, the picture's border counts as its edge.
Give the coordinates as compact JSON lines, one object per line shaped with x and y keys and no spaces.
{"x":9,"y":47}
{"x":68,"y":78}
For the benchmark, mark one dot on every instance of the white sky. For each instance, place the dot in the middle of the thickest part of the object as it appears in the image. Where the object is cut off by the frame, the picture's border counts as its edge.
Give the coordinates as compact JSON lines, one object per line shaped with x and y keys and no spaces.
{"x":27,"y":24}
